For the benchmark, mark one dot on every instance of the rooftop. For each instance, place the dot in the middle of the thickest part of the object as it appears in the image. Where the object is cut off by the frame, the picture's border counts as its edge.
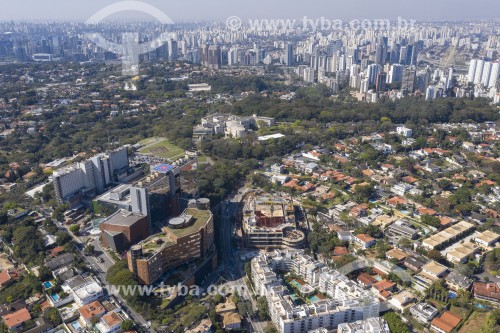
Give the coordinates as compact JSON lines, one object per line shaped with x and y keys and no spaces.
{"x":16,"y":318}
{"x":123,"y":218}
{"x":200,"y":217}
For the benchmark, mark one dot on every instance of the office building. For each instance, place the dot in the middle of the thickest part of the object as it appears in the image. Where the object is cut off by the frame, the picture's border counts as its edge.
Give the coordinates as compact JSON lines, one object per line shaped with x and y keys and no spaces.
{"x":157,"y":195}
{"x":185,"y":239}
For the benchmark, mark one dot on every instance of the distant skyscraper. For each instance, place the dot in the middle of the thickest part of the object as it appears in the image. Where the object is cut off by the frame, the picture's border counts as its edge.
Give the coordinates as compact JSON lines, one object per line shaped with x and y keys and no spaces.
{"x":472,"y":70}
{"x":372,"y":72}
{"x":449,"y":79}
{"x":214,"y":57}
{"x":479,"y":71}
{"x":395,"y":74}
{"x":173,"y":50}
{"x":381,"y":79}
{"x":430,"y":93}
{"x":309,"y":74}
{"x":495,"y":71}
{"x":289,"y":60}
{"x":485,"y":78}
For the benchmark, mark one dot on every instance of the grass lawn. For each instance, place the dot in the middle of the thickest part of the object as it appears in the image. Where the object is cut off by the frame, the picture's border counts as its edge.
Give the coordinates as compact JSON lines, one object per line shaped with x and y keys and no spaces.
{"x":461,"y":312}
{"x":202,"y":159}
{"x":161,"y":147}
{"x":475,"y":322}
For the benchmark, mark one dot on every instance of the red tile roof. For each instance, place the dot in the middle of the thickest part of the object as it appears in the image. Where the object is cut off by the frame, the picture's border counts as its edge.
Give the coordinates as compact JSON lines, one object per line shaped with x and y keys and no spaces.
{"x":16,"y":318}
{"x":447,"y":322}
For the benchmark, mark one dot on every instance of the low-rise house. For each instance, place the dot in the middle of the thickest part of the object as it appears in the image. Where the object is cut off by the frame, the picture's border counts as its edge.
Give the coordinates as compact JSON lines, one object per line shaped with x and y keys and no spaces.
{"x":109,"y":323}
{"x":5,"y":278}
{"x":445,"y":323}
{"x":396,"y":254}
{"x":456,"y":281}
{"x":486,"y":238}
{"x":487,"y":291}
{"x":364,"y":240}
{"x":413,"y":263}
{"x":366,"y":279}
{"x":231,"y":321}
{"x":205,"y":326}
{"x":403,"y":300}
{"x":423,"y":312}
{"x":15,"y":320}
{"x":90,"y":311}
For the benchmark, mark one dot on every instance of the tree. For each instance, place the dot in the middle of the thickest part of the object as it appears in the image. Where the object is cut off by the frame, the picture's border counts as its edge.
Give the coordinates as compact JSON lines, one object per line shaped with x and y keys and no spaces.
{"x":62,"y":237}
{"x":74,"y":228}
{"x":395,"y":323}
{"x":262,"y":308}
{"x":127,"y":325}
{"x":89,"y":249}
{"x":433,"y":221}
{"x":52,"y":316}
{"x":405,"y":243}
{"x":270,"y":328}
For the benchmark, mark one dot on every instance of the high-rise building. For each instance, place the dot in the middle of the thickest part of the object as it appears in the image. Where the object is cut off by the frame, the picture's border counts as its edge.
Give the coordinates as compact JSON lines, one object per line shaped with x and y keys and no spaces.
{"x":289,"y":60}
{"x":381,"y":79}
{"x":185,"y":239}
{"x":372,"y":72}
{"x":479,"y":71}
{"x":495,"y":71}
{"x":472,"y":70}
{"x":173,"y":50}
{"x":485,"y":78}
{"x":157,"y":195}
{"x":395,"y":74}
{"x":309,"y":75}
{"x":430,"y":93}
{"x":214,"y":57}
{"x":89,"y":177}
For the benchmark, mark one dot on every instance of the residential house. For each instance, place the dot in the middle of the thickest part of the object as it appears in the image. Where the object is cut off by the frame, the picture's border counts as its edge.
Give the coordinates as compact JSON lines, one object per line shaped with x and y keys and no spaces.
{"x":487,"y":291}
{"x":445,"y":323}
{"x":364,"y":240}
{"x":456,"y":281}
{"x":423,"y":312}
{"x":15,"y":320}
{"x":91,"y":311}
{"x":109,"y":323}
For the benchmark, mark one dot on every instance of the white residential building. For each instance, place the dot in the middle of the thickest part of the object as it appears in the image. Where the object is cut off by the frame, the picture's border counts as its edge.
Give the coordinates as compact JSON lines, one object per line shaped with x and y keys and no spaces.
{"x":348,"y":302}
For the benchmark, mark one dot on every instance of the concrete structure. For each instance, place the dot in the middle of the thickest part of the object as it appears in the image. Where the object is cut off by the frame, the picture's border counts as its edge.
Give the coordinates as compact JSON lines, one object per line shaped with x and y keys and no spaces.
{"x":269,"y":222}
{"x":186,"y":238}
{"x":123,"y":229}
{"x":347,"y":301}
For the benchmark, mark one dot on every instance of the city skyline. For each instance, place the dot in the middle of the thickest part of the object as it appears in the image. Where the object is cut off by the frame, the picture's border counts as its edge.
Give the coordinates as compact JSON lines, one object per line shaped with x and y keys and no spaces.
{"x":81,"y":10}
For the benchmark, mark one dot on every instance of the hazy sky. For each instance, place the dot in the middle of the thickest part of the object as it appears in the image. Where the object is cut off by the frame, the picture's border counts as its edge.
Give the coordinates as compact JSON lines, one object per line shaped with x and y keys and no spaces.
{"x":190,"y":10}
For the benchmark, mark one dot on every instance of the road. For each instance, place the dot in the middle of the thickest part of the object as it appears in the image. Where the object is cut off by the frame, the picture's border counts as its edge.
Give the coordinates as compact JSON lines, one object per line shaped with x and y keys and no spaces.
{"x":100,"y":270}
{"x":234,"y":272}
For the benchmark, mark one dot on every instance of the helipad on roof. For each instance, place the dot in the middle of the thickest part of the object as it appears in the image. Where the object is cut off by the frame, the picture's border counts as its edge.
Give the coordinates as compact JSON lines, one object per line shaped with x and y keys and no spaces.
{"x":163,"y":168}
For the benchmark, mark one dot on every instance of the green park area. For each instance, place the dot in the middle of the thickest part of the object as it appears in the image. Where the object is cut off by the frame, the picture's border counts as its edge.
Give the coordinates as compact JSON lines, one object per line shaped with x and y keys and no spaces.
{"x":161,"y":147}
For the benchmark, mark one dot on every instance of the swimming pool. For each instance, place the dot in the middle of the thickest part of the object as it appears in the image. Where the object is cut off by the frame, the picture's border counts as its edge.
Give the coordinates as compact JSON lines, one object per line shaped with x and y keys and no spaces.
{"x":76,"y":325}
{"x":55,"y":297}
{"x":48,"y":284}
{"x":314,"y":299}
{"x":295,"y":284}
{"x":452,"y":295}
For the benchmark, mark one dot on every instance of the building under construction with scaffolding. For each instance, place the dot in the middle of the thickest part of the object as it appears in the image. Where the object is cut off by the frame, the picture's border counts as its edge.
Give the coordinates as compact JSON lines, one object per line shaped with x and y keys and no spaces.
{"x":270,"y":222}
